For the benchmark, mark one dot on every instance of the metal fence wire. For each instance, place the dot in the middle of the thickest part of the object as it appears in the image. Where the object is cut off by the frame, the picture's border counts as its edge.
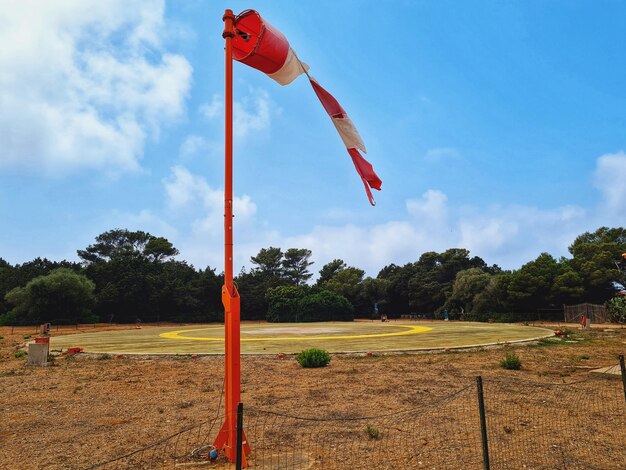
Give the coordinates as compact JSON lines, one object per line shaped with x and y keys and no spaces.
{"x":529,"y":425}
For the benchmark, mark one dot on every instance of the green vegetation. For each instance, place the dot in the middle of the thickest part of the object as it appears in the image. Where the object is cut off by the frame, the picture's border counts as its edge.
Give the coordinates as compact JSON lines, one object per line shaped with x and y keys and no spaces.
{"x":19,"y":354}
{"x":129,"y":275}
{"x":617,"y":309}
{"x":372,"y":432}
{"x":511,"y":362}
{"x":311,"y":358}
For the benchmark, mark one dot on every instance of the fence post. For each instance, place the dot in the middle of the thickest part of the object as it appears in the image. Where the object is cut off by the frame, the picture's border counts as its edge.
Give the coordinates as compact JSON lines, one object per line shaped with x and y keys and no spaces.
{"x":483,"y":421}
{"x":623,"y":368}
{"x":238,"y":459}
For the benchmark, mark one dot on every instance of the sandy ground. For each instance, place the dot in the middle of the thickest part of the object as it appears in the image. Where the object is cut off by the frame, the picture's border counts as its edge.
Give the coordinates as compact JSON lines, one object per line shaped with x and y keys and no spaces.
{"x":84,"y":409}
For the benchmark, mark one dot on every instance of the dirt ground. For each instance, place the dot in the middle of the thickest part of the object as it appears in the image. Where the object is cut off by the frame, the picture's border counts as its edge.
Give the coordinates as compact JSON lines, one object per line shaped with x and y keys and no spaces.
{"x":85,"y":409}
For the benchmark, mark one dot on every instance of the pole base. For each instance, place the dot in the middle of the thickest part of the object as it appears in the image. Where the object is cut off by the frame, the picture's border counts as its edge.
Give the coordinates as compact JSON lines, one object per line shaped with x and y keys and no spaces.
{"x":226,"y":441}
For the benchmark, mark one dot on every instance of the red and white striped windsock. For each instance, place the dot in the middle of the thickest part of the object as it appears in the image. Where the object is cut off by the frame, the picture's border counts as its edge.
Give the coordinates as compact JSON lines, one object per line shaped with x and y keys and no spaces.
{"x":261,"y":46}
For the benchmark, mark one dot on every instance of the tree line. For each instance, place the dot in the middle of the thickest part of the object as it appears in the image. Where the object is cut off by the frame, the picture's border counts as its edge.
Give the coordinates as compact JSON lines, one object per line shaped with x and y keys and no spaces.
{"x":128,"y":276}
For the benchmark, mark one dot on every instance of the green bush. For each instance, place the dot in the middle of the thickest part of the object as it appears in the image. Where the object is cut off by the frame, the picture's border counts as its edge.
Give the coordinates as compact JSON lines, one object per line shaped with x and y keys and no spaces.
{"x":511,"y":362}
{"x":313,"y":357}
{"x":617,"y":310}
{"x":372,"y":432}
{"x":19,"y":354}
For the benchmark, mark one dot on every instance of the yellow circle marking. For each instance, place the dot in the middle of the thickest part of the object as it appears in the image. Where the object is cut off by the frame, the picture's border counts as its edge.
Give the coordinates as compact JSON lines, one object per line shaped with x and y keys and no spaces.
{"x":410,"y":330}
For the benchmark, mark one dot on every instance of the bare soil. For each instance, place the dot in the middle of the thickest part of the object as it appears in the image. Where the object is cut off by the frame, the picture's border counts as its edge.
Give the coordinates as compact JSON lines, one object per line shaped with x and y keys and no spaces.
{"x":85,"y":409}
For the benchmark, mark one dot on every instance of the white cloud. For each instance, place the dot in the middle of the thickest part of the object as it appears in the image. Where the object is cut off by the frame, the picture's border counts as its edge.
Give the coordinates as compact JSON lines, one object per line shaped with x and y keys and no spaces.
{"x":252,"y":114}
{"x":185,"y":191}
{"x":610,"y":179}
{"x":84,"y":84}
{"x":430,"y":209}
{"x":508,"y":235}
{"x":194,"y":145}
{"x":214,"y":109}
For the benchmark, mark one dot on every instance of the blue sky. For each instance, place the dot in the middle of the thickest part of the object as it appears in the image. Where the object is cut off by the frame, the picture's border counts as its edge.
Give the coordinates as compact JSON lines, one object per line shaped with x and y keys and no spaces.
{"x":495,"y":126}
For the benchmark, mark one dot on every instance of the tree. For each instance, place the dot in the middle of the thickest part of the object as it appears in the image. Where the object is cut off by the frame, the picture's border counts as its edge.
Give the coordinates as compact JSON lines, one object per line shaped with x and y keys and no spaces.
{"x":346,"y":282}
{"x":122,"y":242}
{"x":136,"y":278}
{"x":283,"y":303}
{"x":324,"y":305}
{"x":594,"y":256}
{"x":268,"y":261}
{"x":296,"y":264}
{"x":62,"y":295}
{"x":254,"y":285}
{"x":434,"y":277}
{"x":306,"y":304}
{"x":372,"y":291}
{"x":330,"y":269}
{"x":468,"y":286}
{"x":398,"y":291}
{"x":531,"y":285}
{"x":617,"y":309}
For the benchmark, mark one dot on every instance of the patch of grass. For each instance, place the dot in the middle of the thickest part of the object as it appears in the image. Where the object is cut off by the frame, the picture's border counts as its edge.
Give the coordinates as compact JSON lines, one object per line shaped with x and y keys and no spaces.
{"x":26,"y":336}
{"x":543,"y":373}
{"x":1,"y":337}
{"x":511,"y":362}
{"x":12,"y":373}
{"x":372,"y":432}
{"x":584,"y":357}
{"x":312,"y":358}
{"x":19,"y":354}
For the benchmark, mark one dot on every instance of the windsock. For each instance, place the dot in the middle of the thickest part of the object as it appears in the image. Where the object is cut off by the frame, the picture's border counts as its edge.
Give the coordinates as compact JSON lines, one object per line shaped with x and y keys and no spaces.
{"x":261,"y":46}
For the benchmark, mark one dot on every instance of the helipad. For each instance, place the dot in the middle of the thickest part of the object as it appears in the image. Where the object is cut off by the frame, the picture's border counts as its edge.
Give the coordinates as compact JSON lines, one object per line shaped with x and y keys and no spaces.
{"x":267,"y":338}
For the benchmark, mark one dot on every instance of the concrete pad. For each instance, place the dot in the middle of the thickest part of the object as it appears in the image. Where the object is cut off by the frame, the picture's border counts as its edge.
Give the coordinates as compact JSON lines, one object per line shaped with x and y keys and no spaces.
{"x":614,"y":371}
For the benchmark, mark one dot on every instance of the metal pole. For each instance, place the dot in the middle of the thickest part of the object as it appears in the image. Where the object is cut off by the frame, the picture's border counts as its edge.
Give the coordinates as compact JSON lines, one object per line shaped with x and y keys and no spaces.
{"x":230,"y":297}
{"x":623,"y":369}
{"x":483,"y":421}
{"x":239,"y":436}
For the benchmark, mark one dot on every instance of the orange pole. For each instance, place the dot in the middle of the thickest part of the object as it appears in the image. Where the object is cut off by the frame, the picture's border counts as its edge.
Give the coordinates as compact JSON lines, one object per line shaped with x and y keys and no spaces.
{"x":226,"y":439}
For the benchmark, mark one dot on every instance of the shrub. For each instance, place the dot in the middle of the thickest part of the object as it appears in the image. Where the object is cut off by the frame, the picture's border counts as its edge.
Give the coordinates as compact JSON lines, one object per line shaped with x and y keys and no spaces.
{"x":313,"y":358}
{"x":19,"y":354}
{"x":26,"y":336}
{"x":511,"y":362}
{"x":372,"y":432}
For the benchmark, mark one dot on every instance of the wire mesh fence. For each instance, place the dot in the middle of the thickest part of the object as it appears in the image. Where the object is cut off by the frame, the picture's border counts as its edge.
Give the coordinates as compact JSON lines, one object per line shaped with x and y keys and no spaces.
{"x":529,"y":425}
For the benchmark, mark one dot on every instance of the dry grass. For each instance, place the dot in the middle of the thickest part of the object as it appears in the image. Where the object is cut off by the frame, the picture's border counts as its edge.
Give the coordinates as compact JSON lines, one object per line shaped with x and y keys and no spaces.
{"x":83,"y":410}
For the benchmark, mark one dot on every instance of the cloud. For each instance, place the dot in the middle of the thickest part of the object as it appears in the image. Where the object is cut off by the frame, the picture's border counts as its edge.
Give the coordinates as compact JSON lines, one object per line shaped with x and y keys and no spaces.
{"x":610,"y":179}
{"x":508,"y":235}
{"x":185,"y":191}
{"x":252,"y":114}
{"x":84,"y":84}
{"x":430,"y":209}
{"x":194,"y":145}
